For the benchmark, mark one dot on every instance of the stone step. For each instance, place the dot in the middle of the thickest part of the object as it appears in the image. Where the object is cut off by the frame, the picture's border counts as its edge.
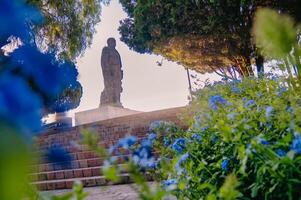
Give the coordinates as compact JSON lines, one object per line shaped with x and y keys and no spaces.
{"x":75,"y":148}
{"x":75,"y":164}
{"x":86,"y":166}
{"x":65,"y":140}
{"x":71,"y":173}
{"x":83,"y":155}
{"x":86,"y":181}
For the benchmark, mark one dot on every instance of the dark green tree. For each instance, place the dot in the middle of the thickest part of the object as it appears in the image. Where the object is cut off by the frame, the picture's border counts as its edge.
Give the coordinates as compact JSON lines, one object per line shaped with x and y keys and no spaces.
{"x":202,"y":35}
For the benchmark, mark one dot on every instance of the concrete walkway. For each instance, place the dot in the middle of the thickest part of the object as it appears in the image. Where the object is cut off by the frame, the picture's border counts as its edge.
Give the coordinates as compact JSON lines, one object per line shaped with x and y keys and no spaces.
{"x":114,"y":192}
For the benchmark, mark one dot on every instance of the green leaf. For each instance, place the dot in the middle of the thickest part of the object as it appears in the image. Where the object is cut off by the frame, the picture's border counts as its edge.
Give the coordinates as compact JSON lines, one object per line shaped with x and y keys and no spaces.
{"x":111,"y":173}
{"x":275,"y":34}
{"x":228,"y":191}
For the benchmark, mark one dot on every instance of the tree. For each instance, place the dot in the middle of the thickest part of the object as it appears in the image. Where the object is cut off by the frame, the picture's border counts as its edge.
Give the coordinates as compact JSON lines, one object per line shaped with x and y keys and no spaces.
{"x":202,"y":35}
{"x":67,"y":30}
{"x":68,"y":26}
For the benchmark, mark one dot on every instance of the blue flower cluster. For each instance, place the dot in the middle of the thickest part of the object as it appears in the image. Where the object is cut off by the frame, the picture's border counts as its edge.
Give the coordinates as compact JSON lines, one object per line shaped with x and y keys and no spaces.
{"x":249,"y":103}
{"x":155,"y":125}
{"x":180,"y":162}
{"x":280,"y":152}
{"x":225,"y":165}
{"x":141,"y":154}
{"x":262,"y":141}
{"x":269,"y":111}
{"x":19,"y":104}
{"x":127,"y":142}
{"x":296,"y":145}
{"x":170,"y":184}
{"x":15,"y":15}
{"x":179,"y":145}
{"x":196,"y":137}
{"x":215,"y":101}
{"x":29,"y":79}
{"x":166,"y":141}
{"x":59,"y":156}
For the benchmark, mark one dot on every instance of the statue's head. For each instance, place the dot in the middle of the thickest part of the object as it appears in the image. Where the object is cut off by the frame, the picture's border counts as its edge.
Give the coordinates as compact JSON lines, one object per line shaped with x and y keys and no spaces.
{"x":111,"y":42}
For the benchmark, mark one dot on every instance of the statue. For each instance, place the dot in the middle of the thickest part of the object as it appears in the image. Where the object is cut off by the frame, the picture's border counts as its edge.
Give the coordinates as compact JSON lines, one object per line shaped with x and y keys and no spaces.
{"x":112,"y":75}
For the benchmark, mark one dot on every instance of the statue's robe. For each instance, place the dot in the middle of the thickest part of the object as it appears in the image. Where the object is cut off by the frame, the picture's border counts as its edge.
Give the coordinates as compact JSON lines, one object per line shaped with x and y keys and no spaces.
{"x":112,"y":75}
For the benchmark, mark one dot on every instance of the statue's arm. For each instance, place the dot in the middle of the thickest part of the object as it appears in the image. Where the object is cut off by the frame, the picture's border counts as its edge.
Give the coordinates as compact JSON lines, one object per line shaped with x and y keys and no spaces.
{"x":120,"y":65}
{"x":104,"y":58}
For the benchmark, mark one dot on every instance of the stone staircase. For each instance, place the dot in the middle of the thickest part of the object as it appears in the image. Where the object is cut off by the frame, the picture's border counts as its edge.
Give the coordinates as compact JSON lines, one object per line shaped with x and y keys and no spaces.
{"x":86,"y":165}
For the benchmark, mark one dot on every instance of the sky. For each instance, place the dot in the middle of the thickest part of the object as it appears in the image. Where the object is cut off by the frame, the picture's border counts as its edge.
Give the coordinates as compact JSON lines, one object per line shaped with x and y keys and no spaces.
{"x":146,"y":86}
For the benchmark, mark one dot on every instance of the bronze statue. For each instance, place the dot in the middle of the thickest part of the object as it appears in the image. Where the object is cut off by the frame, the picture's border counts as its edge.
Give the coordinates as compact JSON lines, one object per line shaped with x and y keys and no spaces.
{"x":112,"y":75}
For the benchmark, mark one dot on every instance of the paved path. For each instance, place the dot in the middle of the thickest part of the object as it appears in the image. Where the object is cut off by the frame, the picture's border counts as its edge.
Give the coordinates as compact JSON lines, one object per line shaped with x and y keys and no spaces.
{"x":114,"y":192}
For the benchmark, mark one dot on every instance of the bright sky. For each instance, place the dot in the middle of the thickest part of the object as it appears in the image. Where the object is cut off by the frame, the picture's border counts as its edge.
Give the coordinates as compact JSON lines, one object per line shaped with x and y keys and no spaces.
{"x":146,"y":86}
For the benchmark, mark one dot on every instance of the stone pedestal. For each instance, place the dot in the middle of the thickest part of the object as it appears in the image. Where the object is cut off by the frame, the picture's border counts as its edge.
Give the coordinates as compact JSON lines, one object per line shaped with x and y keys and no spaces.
{"x":102,"y":113}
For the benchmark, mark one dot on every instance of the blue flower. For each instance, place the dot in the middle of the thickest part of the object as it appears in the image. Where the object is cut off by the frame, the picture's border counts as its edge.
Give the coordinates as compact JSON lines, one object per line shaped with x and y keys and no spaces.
{"x":166,"y":141}
{"x":127,"y":142}
{"x":289,"y":109}
{"x":152,"y":136}
{"x":215,"y":101}
{"x":19,"y":105}
{"x":269,"y":111}
{"x":235,"y":89}
{"x":197,"y":137}
{"x":155,"y":125}
{"x":181,"y":160}
{"x":170,"y":184}
{"x":281,"y":90}
{"x":147,"y":142}
{"x":280,"y":152}
{"x":296,"y":145}
{"x":232,"y":116}
{"x":225,"y":164}
{"x":59,"y":156}
{"x":143,"y":156}
{"x":144,"y":152}
{"x":179,"y":145}
{"x":49,"y":76}
{"x":249,"y":103}
{"x":197,"y":122}
{"x":15,"y":15}
{"x":214,"y":139}
{"x":263,"y":141}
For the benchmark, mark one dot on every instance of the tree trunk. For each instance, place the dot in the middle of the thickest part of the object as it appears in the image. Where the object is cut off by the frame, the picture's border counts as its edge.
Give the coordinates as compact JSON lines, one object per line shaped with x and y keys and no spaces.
{"x":259,"y":60}
{"x":244,"y":67}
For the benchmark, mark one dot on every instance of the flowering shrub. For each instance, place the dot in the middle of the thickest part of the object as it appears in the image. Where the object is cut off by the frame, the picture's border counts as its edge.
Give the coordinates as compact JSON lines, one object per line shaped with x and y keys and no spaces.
{"x":252,"y":136}
{"x":30,"y":82}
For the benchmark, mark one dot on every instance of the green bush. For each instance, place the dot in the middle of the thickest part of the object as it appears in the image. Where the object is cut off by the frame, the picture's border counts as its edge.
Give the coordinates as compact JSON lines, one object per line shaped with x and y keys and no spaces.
{"x":244,"y":141}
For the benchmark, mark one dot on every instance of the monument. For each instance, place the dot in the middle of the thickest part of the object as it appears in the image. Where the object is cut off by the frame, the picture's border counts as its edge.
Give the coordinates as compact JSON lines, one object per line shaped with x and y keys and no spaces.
{"x":112,"y":75}
{"x":110,"y":104}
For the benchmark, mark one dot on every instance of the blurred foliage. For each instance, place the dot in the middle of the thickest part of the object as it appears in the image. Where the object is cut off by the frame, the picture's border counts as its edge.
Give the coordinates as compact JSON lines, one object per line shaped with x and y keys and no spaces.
{"x":280,"y":39}
{"x":13,"y":164}
{"x":201,"y":35}
{"x":68,"y":26}
{"x":30,"y":83}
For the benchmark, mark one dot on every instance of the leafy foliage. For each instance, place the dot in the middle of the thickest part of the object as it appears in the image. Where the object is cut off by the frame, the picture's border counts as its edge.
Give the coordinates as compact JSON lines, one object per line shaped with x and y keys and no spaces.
{"x":243,"y":140}
{"x":30,"y":81}
{"x":246,"y":146}
{"x":202,"y":35}
{"x":68,"y":26}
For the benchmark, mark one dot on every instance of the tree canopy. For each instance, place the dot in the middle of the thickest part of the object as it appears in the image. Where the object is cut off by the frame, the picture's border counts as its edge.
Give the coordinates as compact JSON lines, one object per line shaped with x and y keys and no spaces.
{"x":201,"y":35}
{"x":68,"y":26}
{"x":67,"y":30}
